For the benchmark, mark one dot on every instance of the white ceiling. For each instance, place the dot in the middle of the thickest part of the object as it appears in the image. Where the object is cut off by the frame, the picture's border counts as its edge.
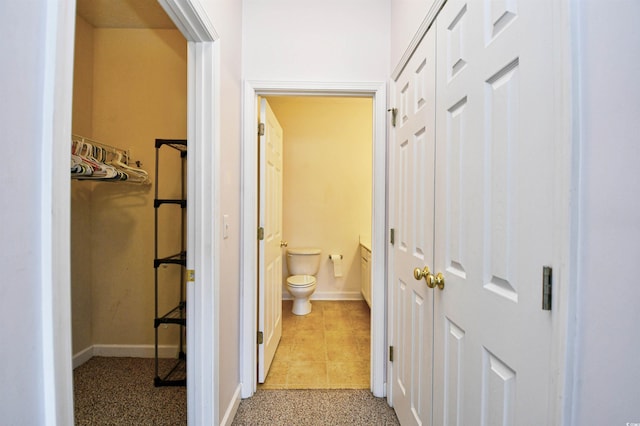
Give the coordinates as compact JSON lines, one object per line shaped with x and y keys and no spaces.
{"x":124,"y":14}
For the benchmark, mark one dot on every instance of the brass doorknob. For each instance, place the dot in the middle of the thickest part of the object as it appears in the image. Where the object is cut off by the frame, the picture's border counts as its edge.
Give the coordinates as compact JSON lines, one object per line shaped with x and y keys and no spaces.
{"x":419,"y":274}
{"x":439,"y":280}
{"x":283,"y":244}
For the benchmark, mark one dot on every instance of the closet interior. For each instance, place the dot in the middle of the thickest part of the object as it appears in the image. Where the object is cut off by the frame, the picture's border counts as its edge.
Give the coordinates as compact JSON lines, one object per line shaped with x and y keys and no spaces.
{"x":130,"y":88}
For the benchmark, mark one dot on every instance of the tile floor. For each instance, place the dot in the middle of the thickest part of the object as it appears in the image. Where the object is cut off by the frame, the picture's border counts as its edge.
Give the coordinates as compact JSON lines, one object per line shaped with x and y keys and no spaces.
{"x":326,"y":349}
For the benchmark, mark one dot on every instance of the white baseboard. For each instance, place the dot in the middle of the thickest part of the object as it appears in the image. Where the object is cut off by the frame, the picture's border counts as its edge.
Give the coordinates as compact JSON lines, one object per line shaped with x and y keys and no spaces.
{"x":82,"y":357}
{"x":232,"y":408}
{"x":124,"y":351}
{"x":337,"y":295}
{"x":330,"y":295}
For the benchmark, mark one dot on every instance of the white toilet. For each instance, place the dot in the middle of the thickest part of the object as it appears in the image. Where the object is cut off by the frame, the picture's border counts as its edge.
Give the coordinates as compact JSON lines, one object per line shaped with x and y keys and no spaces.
{"x":303,"y":265}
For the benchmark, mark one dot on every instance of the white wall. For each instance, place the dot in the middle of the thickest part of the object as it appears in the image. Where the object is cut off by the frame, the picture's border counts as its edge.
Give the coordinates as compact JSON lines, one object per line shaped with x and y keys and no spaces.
{"x":226,"y":16}
{"x":22,"y":402}
{"x":608,"y":371}
{"x":406,"y":17}
{"x":332,"y":40}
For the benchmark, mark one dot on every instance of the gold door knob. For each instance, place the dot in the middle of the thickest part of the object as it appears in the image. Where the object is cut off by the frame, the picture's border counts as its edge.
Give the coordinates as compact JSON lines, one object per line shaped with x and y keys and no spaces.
{"x":419,"y":274}
{"x":283,"y":244}
{"x":439,"y":280}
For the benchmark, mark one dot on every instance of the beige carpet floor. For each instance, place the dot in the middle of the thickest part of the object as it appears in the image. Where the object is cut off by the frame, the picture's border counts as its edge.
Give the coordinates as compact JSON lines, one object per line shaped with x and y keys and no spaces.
{"x":321,"y":355}
{"x":120,"y":391}
{"x":316,"y":407}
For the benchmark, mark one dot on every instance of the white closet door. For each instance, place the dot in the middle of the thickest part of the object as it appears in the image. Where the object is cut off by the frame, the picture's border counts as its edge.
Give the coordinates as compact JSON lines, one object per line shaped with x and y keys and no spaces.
{"x":493,"y":213}
{"x":412,"y":330}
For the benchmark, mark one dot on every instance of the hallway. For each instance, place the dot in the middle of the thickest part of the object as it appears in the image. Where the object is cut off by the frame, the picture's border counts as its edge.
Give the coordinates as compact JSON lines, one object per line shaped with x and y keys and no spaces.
{"x":317,"y":407}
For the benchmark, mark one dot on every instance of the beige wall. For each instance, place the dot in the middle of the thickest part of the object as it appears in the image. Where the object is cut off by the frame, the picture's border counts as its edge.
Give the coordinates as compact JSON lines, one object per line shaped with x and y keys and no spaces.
{"x":81,"y":302}
{"x":138,"y":94}
{"x":327,"y":183}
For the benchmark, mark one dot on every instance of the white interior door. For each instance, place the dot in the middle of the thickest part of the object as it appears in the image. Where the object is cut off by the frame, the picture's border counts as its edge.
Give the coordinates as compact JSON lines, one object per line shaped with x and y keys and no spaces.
{"x":494,"y":217}
{"x":270,"y":251}
{"x":414,"y":146}
{"x":478,"y":350}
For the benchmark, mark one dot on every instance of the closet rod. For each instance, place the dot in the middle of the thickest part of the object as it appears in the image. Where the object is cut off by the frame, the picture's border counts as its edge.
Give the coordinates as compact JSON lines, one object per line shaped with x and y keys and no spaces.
{"x":101,"y":168}
{"x":109,"y":148}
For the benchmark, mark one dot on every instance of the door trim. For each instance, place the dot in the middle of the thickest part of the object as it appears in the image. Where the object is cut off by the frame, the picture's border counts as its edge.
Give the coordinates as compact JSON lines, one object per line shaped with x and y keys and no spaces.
{"x":419,"y":35}
{"x":55,"y":213}
{"x":564,"y":355}
{"x":203,"y":193}
{"x":249,"y":219}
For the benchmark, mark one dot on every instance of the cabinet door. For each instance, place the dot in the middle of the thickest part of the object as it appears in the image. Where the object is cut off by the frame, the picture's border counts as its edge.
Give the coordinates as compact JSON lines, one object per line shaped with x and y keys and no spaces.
{"x":365,"y":274}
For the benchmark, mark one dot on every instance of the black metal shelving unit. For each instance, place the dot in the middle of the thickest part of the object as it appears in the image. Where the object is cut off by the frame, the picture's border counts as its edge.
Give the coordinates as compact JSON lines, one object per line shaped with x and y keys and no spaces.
{"x":173,"y":374}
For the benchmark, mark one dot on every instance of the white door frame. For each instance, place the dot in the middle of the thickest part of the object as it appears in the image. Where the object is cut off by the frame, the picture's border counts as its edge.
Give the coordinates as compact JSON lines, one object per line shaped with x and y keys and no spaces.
{"x":249,"y":219}
{"x":203,"y":193}
{"x":55,"y":211}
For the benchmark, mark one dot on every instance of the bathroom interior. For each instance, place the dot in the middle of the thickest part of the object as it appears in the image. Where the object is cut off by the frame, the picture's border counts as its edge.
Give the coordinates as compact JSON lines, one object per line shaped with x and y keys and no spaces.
{"x":327,"y":190}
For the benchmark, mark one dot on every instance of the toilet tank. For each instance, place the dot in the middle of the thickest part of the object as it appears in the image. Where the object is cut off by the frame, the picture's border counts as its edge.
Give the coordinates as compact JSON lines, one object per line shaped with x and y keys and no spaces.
{"x":303,"y":261}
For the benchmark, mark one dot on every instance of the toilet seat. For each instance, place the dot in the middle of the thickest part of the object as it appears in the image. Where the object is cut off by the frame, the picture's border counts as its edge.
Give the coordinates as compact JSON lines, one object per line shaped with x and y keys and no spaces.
{"x":300,"y":281}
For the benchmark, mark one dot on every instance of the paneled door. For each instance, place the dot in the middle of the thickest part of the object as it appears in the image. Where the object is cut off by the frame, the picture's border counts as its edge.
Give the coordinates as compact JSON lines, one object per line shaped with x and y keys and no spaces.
{"x":483,"y":352}
{"x":270,"y":250}
{"x":413,"y":173}
{"x":494,"y":213}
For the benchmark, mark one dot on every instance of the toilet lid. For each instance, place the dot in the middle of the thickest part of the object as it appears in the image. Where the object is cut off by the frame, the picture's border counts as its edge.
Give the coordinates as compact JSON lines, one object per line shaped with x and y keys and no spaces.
{"x":301,"y":280}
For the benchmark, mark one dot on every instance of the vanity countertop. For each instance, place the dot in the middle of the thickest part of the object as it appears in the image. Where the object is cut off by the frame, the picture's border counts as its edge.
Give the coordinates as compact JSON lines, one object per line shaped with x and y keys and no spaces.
{"x":365,"y":242}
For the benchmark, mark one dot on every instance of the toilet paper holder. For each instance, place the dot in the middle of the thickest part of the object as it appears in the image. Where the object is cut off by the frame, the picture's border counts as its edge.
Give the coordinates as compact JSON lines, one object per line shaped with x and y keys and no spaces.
{"x":334,"y":255}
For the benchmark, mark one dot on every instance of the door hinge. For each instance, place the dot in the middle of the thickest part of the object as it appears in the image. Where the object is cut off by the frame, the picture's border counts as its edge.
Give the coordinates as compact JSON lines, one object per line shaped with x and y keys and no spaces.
{"x":260,"y":129}
{"x":394,"y":115}
{"x":191,"y":275}
{"x":260,"y":233}
{"x":392,"y":236}
{"x":260,"y":337}
{"x":547,"y":286}
{"x":391,"y":353}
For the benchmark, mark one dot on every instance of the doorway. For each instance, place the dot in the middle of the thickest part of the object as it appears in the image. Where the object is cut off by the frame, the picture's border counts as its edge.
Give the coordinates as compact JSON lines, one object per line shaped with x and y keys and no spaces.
{"x":110,"y":268}
{"x":130,"y":88}
{"x":203,"y":72}
{"x":376,"y":92}
{"x":325,"y":205}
